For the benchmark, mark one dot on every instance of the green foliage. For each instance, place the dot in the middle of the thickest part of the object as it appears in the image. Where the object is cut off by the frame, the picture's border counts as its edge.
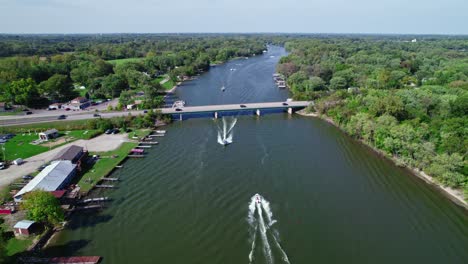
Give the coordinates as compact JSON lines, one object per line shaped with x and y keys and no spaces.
{"x":42,"y":207}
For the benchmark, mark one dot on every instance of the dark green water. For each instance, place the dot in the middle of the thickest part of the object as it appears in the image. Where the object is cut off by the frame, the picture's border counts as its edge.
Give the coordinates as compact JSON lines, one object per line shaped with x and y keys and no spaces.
{"x":333,"y":199}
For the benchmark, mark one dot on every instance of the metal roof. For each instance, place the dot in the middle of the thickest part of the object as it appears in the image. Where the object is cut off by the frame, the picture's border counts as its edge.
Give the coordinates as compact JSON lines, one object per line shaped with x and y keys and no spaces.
{"x":50,"y":178}
{"x":24,"y":224}
{"x":50,"y":131}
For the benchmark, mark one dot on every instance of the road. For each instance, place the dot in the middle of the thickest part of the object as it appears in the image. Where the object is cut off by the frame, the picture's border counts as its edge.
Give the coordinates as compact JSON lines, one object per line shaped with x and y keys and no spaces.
{"x":82,"y":115}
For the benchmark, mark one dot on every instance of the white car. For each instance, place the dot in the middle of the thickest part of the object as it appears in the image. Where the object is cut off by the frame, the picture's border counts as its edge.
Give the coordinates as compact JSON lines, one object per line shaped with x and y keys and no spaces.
{"x":2,"y":165}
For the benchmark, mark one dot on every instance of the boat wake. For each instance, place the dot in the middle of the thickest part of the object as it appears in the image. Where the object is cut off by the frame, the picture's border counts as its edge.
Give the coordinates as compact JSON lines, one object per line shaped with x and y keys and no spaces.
{"x":226,"y":133}
{"x":258,"y":209}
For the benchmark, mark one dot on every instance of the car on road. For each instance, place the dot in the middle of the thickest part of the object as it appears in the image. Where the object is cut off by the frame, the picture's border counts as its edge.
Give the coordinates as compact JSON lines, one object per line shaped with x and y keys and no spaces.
{"x":41,"y":167}
{"x":2,"y":165}
{"x":29,"y":113}
{"x":145,"y":111}
{"x":115,"y":131}
{"x":97,"y":115}
{"x":108,"y":131}
{"x":62,"y":117}
{"x":26,"y":109}
{"x":178,"y":109}
{"x":243,"y":106}
{"x":27,"y":177}
{"x":67,"y":109}
{"x":285,"y":104}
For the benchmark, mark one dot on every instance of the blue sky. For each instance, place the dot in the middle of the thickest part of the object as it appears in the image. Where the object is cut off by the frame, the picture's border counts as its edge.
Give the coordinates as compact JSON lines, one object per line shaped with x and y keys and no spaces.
{"x":304,"y":16}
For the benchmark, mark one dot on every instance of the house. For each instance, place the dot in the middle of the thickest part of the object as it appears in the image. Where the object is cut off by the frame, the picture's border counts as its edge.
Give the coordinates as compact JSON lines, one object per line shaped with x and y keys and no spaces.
{"x":78,"y":103}
{"x":55,"y":106}
{"x":52,"y":178}
{"x":24,"y":227}
{"x":74,"y":153}
{"x":49,"y":134}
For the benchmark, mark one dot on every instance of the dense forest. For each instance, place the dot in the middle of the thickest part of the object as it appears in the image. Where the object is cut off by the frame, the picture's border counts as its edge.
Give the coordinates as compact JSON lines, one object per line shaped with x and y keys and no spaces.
{"x":40,"y":69}
{"x":407,"y":98}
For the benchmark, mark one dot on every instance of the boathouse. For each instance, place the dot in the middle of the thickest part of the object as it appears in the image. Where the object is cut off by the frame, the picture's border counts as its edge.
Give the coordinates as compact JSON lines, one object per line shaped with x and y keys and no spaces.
{"x":54,"y":177}
{"x":24,"y":227}
{"x":75,"y":154}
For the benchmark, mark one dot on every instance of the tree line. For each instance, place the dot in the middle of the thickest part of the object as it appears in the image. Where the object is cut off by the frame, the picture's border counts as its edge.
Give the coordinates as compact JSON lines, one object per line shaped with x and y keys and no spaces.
{"x":51,"y":73}
{"x":407,"y":99}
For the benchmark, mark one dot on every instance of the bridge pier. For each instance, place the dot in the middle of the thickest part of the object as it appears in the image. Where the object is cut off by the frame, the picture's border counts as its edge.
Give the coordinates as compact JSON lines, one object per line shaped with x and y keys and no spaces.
{"x":216,"y":115}
{"x":180,"y":117}
{"x":258,"y":112}
{"x":290,"y":110}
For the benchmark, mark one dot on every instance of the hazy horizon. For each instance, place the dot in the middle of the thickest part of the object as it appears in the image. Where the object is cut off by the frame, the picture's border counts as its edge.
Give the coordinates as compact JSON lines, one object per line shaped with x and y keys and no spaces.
{"x":243,"y":16}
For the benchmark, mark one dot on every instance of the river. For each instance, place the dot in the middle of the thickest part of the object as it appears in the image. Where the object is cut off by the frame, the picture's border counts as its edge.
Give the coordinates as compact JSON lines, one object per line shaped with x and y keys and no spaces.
{"x":324,"y":197}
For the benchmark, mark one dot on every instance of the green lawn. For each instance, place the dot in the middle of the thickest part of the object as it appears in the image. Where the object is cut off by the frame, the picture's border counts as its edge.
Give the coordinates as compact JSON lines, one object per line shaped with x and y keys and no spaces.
{"x":123,"y":61}
{"x":14,"y":245}
{"x":168,"y":85}
{"x":20,"y":147}
{"x":104,"y":165}
{"x":59,"y":125}
{"x":139,"y":133}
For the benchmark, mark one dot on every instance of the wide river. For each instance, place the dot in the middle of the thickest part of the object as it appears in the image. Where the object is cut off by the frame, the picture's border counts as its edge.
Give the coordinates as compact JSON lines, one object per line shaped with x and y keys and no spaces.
{"x":323,"y":198}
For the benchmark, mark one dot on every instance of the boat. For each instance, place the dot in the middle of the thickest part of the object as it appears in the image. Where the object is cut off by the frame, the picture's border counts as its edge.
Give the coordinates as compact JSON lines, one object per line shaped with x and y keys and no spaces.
{"x":160,"y":131}
{"x":223,"y":88}
{"x":258,"y":200}
{"x":225,"y":142}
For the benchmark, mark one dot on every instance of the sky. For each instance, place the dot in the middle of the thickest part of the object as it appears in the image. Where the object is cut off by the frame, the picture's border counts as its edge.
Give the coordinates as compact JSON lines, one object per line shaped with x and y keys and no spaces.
{"x":187,"y":16}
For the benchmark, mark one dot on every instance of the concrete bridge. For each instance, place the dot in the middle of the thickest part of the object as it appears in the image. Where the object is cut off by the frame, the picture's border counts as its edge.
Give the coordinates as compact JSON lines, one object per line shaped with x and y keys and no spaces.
{"x":217,"y":111}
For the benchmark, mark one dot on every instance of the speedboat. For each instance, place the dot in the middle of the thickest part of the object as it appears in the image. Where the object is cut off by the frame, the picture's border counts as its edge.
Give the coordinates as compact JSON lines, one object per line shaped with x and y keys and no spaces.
{"x":225,"y":142}
{"x":258,"y":199}
{"x":223,"y":88}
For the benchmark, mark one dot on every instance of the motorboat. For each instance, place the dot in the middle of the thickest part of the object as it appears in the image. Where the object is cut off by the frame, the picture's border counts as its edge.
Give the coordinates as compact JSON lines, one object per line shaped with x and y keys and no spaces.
{"x":223,"y":88}
{"x":258,"y":199}
{"x":225,"y":142}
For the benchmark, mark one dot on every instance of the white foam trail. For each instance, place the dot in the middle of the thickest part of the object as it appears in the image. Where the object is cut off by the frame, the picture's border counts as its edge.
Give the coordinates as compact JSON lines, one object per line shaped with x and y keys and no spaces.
{"x":253,"y":245}
{"x":225,"y":134}
{"x":271,"y":221}
{"x":266,"y":244}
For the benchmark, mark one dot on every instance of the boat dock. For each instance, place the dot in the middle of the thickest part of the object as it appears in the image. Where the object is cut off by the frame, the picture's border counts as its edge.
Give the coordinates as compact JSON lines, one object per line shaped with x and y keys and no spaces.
{"x":143,"y":146}
{"x":100,"y":199}
{"x":136,"y":156}
{"x":110,"y":179}
{"x":104,"y":186}
{"x":149,"y":142}
{"x":63,"y":260}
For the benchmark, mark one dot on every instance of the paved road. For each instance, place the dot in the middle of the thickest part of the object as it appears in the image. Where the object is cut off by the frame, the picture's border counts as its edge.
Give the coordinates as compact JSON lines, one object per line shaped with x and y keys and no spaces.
{"x":82,"y":115}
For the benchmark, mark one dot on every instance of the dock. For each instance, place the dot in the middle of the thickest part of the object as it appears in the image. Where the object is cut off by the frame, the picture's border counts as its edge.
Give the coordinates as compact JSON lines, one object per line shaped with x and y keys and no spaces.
{"x":110,"y":179}
{"x":143,"y":146}
{"x":87,"y":207}
{"x":156,"y":135}
{"x":90,"y":200}
{"x":104,"y":186}
{"x":63,"y":260}
{"x":149,"y":142}
{"x":136,"y":156}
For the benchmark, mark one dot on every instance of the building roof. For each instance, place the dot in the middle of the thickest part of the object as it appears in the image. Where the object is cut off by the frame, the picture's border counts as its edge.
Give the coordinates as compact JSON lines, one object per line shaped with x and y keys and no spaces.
{"x":69,"y":153}
{"x":50,"y":178}
{"x":50,"y":131}
{"x":81,"y":98}
{"x":24,"y":224}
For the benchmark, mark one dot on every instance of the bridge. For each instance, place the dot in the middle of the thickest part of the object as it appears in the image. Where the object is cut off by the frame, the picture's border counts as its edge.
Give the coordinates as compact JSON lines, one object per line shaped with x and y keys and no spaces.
{"x":218,"y":111}
{"x":207,"y":111}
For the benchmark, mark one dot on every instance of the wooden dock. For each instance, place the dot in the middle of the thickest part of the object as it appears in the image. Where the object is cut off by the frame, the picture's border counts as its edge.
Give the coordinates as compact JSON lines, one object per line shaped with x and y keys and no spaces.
{"x":136,"y":156}
{"x":99,"y":199}
{"x":149,"y":142}
{"x":143,"y":146}
{"x":104,"y":186}
{"x":63,"y":260}
{"x":110,"y":179}
{"x":157,"y":135}
{"x":87,"y":207}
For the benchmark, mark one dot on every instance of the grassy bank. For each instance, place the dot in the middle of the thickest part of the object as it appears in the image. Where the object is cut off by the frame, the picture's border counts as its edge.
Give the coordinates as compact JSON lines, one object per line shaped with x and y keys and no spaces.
{"x":15,"y":246}
{"x":104,"y":166}
{"x":59,"y":125}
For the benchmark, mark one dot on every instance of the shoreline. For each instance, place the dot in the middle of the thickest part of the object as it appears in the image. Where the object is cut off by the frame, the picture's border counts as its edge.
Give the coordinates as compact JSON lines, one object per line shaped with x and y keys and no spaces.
{"x":455,"y":195}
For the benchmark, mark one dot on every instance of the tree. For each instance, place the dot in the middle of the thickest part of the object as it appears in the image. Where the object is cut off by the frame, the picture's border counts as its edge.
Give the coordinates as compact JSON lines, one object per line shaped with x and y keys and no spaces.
{"x":58,"y":88}
{"x":24,"y":92}
{"x":42,"y":207}
{"x":337,"y":83}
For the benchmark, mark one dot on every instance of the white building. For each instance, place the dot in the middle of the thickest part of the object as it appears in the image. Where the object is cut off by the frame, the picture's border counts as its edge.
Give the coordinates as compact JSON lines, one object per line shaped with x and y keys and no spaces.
{"x":53,"y":177}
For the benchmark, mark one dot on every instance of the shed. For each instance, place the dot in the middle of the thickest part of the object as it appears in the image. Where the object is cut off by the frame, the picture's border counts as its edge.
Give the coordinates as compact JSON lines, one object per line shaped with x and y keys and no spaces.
{"x":23,"y":227}
{"x":49,"y":134}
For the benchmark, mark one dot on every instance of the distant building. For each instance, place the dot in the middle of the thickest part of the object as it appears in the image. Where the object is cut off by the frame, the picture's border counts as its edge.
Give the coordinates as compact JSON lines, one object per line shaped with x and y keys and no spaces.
{"x":49,"y":134}
{"x":78,"y":103}
{"x":74,"y":153}
{"x":52,"y":178}
{"x":55,"y":106}
{"x":24,"y":227}
{"x":414,"y":40}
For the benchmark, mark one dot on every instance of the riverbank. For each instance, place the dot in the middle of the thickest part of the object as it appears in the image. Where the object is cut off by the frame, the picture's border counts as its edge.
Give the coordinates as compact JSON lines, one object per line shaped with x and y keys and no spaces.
{"x":454,"y":195}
